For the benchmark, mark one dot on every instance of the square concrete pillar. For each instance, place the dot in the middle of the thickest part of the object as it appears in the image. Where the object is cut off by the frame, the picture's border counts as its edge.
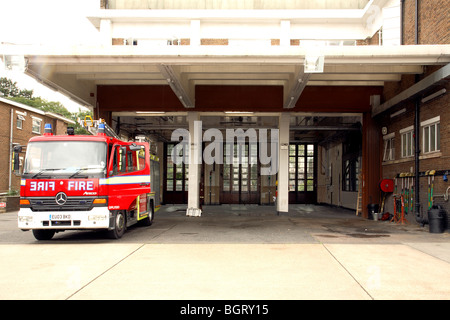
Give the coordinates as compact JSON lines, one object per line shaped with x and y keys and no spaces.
{"x":283,"y":163}
{"x":195,"y":159}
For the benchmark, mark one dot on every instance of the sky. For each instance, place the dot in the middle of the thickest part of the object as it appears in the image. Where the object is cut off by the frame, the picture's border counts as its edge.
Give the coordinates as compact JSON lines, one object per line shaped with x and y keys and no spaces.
{"x":46,"y":22}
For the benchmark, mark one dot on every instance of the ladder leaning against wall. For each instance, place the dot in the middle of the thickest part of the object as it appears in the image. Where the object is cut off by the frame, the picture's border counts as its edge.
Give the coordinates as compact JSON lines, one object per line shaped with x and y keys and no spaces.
{"x":359,"y":200}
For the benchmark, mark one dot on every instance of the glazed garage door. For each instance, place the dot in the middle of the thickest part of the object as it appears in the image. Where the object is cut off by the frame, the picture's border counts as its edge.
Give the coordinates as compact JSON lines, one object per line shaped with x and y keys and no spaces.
{"x":240,"y":176}
{"x":302,"y":173}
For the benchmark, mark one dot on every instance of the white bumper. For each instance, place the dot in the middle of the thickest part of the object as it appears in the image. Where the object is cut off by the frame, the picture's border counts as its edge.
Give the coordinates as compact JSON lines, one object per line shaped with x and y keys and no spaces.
{"x":97,"y":218}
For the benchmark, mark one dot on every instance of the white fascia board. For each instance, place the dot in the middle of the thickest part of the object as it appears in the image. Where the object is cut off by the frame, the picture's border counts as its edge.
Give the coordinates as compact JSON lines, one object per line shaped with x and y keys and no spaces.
{"x":370,"y":55}
{"x":179,"y":55}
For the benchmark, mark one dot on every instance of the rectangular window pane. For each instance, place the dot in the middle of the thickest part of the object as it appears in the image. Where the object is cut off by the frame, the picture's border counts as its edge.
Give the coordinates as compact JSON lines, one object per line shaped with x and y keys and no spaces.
{"x":292,"y":150}
{"x":426,"y":139}
{"x":226,"y":171}
{"x":432,"y":138}
{"x":310,"y":149}
{"x":438,"y":136}
{"x":170,"y":173}
{"x":403,"y":145}
{"x":254,"y":170}
{"x":291,"y":185}
{"x":301,"y":185}
{"x":254,"y":185}
{"x":235,"y":185}
{"x":36,"y":126}
{"x":310,"y":185}
{"x":244,"y":185}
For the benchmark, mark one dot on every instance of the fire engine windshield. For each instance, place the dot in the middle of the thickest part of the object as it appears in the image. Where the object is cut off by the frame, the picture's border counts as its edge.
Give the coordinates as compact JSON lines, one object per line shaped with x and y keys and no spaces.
{"x":73,"y":158}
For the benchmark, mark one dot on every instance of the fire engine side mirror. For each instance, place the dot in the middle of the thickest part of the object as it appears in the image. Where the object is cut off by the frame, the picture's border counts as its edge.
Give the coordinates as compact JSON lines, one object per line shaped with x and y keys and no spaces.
{"x":134,"y":147}
{"x":16,"y":160}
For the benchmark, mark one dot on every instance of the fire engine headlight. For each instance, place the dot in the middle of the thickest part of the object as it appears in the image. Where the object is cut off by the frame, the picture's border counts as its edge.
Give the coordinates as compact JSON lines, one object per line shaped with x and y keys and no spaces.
{"x":25,"y":219}
{"x":97,"y":217}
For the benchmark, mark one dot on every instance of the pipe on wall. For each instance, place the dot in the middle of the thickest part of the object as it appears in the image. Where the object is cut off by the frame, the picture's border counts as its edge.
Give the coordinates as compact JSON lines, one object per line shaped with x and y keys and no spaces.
{"x":402,"y":10}
{"x":419,"y":218}
{"x":416,"y":40}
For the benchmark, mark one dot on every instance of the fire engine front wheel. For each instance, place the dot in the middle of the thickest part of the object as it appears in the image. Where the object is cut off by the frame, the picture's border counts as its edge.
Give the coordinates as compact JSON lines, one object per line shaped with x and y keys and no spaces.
{"x":149,"y":220}
{"x":119,"y":225}
{"x":43,"y":234}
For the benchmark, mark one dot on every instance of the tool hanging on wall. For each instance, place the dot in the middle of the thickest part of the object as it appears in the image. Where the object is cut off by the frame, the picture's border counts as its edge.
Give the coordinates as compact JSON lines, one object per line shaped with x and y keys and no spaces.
{"x":405,"y":191}
{"x":411,"y":201}
{"x":430,"y":174}
{"x":400,"y":209}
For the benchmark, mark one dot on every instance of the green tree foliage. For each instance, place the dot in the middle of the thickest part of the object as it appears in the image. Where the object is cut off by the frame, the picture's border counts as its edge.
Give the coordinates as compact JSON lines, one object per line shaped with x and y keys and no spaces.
{"x":10,"y":91}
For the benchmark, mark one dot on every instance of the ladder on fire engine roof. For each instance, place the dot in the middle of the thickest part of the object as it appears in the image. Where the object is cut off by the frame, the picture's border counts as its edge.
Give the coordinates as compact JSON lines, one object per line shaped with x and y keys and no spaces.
{"x":92,"y":126}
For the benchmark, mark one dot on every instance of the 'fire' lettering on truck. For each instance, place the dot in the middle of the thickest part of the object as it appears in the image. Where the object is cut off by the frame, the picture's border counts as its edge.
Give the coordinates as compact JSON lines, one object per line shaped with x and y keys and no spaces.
{"x":42,"y":185}
{"x":80,"y":185}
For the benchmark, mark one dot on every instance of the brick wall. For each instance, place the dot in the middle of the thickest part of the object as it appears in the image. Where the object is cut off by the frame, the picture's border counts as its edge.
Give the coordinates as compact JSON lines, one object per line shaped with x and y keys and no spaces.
{"x":20,"y":136}
{"x":434,"y":22}
{"x":439,"y":161}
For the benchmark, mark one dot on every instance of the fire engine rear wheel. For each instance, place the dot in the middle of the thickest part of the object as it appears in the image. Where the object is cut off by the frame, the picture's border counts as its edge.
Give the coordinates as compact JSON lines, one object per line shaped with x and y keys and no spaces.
{"x":119,"y":225}
{"x":43,"y":234}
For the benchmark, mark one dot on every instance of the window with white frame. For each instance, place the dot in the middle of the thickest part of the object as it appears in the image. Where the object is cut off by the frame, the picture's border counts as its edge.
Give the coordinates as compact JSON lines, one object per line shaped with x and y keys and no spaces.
{"x":36,"y":126}
{"x":431,"y":137}
{"x":389,"y":147}
{"x":407,"y":137}
{"x":19,"y":121}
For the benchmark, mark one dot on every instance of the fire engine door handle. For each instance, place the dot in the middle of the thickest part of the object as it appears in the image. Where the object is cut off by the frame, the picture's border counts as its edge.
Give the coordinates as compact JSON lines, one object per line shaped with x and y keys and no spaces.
{"x":145,"y":184}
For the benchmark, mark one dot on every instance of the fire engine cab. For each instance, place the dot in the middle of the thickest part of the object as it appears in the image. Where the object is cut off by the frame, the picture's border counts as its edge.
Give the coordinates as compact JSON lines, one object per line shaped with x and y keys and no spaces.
{"x":73,"y":182}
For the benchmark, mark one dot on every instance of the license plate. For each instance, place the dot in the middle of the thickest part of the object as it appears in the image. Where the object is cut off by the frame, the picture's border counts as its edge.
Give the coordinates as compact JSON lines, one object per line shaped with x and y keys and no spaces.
{"x":60,"y":217}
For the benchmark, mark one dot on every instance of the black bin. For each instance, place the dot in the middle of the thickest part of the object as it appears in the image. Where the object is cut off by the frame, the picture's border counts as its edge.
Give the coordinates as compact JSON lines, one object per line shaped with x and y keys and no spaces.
{"x":436,"y":219}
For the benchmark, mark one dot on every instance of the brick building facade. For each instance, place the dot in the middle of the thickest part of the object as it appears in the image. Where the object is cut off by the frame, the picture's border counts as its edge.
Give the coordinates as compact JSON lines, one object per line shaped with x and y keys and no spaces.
{"x":26,"y":123}
{"x":424,"y":24}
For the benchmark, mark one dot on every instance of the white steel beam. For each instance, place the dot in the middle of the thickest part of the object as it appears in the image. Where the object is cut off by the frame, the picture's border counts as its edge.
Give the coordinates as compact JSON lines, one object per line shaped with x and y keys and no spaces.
{"x":173,"y":79}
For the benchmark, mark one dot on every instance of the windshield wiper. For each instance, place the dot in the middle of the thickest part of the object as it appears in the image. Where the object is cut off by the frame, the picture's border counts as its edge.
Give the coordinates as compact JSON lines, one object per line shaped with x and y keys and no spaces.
{"x":44,"y":170}
{"x":83,"y":169}
{"x":77,"y":172}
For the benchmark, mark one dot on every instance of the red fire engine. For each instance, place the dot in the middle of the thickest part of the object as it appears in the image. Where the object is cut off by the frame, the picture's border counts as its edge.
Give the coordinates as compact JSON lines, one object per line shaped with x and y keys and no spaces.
{"x":72,"y":182}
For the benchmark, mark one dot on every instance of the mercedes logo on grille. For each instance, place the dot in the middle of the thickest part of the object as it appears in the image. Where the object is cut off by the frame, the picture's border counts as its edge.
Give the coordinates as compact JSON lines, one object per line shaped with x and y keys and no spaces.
{"x":61,"y":198}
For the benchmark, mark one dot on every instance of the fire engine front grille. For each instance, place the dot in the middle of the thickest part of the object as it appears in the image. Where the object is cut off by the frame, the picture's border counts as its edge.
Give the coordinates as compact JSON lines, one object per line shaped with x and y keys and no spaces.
{"x":72,"y":204}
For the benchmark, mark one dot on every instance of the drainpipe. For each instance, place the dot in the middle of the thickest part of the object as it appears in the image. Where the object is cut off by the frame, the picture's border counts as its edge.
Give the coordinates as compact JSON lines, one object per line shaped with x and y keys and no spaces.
{"x":402,"y":10}
{"x":416,"y":40}
{"x":10,"y":148}
{"x":419,"y":218}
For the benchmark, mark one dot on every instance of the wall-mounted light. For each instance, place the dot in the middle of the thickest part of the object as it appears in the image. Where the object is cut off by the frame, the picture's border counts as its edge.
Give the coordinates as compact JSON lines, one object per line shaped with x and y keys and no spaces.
{"x":238,"y":112}
{"x":150,"y":112}
{"x":434,"y":95}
